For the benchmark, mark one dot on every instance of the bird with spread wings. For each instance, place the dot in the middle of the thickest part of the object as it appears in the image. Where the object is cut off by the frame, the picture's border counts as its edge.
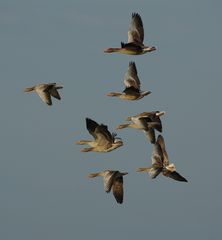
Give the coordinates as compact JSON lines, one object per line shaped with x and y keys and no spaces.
{"x":112,"y":180}
{"x":135,"y":45}
{"x":45,"y":91}
{"x":103,"y":141}
{"x":132,"y":86}
{"x":160,"y":163}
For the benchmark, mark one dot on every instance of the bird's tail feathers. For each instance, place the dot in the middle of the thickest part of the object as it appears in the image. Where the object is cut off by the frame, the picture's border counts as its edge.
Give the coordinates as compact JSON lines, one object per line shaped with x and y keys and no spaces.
{"x":92,"y":175}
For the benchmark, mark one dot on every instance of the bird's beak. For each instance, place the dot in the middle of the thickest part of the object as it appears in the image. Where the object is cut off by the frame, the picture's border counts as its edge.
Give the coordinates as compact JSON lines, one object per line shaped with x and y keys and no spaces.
{"x":160,"y":113}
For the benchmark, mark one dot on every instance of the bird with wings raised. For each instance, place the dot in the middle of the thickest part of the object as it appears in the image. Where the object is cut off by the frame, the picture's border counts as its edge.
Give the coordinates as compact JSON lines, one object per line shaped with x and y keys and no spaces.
{"x":113,"y":180}
{"x":132,"y":85}
{"x":46,"y":91}
{"x":146,"y":121}
{"x":160,"y":163}
{"x":135,"y":45}
{"x":103,"y":141}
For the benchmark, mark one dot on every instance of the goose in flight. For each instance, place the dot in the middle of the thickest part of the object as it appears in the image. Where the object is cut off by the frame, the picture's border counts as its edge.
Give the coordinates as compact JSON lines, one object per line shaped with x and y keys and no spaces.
{"x":112,"y":180}
{"x":46,"y":91}
{"x":135,"y":45}
{"x":146,"y":121}
{"x":103,"y":141}
{"x":132,"y":85}
{"x":160,"y":163}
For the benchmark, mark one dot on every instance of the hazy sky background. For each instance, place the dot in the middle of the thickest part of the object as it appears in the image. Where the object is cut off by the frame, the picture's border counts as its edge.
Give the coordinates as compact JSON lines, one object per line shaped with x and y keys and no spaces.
{"x":45,"y":192}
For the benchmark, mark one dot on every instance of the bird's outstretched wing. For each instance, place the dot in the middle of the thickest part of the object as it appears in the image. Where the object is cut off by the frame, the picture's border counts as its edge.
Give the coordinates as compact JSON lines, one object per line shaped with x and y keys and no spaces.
{"x":157,"y":155}
{"x":91,"y":126}
{"x":108,"y":179}
{"x":44,"y":95}
{"x":176,"y":176}
{"x":54,"y":93}
{"x":103,"y":135}
{"x":160,"y":141}
{"x":154,"y":172}
{"x":131,"y":79}
{"x":136,"y":31}
{"x":117,"y":188}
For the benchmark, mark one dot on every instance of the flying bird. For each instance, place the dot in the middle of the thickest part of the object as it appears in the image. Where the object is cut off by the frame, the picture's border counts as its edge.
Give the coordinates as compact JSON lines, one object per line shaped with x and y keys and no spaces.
{"x":132,"y":86}
{"x":103,"y":141}
{"x":112,"y":180}
{"x":160,"y":163}
{"x":46,"y":91}
{"x":135,"y":45}
{"x":146,"y":121}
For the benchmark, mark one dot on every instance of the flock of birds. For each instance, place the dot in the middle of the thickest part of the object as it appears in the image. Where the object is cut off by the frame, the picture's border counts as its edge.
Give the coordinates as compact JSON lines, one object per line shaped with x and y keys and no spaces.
{"x":105,"y":141}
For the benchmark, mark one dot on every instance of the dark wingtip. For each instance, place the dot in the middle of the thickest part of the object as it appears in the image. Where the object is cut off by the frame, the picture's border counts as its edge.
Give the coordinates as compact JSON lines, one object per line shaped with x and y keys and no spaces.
{"x":135,"y":14}
{"x":91,"y":124}
{"x":122,"y":44}
{"x":182,"y":179}
{"x":88,"y":119}
{"x":132,"y":63}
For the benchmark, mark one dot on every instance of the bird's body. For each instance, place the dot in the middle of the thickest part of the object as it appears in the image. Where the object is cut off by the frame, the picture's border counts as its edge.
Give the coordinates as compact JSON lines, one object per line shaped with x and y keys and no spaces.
{"x":113,"y":180}
{"x":103,"y":141}
{"x":160,"y":163}
{"x":46,"y":91}
{"x":135,"y":45}
{"x":132,"y":86}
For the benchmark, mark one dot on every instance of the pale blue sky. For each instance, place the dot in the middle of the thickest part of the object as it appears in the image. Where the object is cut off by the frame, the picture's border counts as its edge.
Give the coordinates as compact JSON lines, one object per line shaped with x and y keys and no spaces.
{"x":45,"y":192}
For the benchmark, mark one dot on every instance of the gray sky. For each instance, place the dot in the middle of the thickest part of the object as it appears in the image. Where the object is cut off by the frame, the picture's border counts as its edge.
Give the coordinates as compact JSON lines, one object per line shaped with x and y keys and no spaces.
{"x":45,"y":192}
